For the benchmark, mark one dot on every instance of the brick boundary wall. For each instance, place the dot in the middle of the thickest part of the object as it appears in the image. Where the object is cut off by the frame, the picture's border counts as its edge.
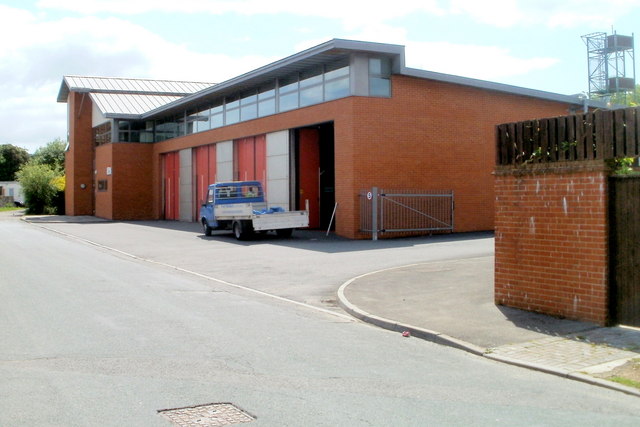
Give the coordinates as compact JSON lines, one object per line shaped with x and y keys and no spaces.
{"x":551,"y":239}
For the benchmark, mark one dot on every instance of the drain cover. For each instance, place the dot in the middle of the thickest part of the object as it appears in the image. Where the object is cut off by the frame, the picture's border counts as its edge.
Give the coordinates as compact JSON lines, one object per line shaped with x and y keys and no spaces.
{"x":210,"y":415}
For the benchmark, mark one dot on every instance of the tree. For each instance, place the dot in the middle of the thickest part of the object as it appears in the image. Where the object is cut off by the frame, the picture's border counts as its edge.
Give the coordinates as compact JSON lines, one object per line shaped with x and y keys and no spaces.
{"x":51,"y":154}
{"x":11,"y":160}
{"x":632,"y":99}
{"x":38,"y":183}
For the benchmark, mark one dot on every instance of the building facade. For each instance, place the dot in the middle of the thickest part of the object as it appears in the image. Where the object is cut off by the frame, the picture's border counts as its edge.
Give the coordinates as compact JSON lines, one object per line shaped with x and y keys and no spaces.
{"x":320,"y":125}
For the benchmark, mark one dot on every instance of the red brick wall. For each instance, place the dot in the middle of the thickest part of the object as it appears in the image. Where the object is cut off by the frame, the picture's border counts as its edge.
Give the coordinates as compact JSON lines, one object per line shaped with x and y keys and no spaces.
{"x":433,"y":135}
{"x":129,"y":190}
{"x":428,"y":135}
{"x":79,"y":157}
{"x":551,"y":241}
{"x":132,"y":178}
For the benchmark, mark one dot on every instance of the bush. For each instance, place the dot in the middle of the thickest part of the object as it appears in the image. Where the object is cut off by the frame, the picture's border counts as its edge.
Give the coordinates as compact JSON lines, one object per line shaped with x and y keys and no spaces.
{"x":40,"y":185}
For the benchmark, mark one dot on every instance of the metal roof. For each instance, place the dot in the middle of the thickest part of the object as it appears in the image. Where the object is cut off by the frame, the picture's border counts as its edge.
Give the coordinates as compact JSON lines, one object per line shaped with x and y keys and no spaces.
{"x":131,"y":105}
{"x":128,"y":86}
{"x":501,"y":87}
{"x":168,"y":97}
{"x":328,"y":52}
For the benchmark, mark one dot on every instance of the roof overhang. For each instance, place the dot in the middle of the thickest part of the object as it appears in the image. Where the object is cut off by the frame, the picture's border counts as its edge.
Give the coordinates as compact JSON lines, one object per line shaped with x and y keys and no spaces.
{"x":500,"y":87}
{"x":128,"y":86}
{"x":331,"y":51}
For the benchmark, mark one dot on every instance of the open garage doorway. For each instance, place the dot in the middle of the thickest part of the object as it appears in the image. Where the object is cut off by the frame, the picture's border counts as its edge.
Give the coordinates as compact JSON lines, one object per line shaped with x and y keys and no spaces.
{"x":314,"y":173}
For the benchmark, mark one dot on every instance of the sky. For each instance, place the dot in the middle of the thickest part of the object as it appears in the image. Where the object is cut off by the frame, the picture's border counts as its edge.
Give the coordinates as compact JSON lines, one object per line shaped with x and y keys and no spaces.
{"x":529,"y":43}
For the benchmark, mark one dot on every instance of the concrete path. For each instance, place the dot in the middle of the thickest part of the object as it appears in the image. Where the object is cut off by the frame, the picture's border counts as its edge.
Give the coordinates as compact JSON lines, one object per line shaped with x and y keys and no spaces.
{"x":451,"y":302}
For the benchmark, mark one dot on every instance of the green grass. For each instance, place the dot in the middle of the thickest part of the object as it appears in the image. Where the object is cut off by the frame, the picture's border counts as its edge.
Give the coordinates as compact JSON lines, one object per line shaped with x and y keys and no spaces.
{"x":625,"y":381}
{"x":9,"y":208}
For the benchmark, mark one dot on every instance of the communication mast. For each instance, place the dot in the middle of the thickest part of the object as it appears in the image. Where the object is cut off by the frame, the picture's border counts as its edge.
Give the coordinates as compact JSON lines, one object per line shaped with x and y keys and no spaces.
{"x":612,"y":67}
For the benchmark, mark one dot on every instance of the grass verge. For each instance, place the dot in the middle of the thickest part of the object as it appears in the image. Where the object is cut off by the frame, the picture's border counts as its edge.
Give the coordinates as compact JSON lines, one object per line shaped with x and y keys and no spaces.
{"x":9,"y":208}
{"x":625,"y":381}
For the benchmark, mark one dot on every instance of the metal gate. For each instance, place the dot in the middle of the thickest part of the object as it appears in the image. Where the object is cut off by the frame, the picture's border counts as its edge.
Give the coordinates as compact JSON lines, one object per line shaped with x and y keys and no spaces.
{"x":405,"y":211}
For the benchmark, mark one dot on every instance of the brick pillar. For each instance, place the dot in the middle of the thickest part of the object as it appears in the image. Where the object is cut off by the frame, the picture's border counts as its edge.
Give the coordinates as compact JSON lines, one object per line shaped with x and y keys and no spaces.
{"x":79,"y":158}
{"x":551,"y":245}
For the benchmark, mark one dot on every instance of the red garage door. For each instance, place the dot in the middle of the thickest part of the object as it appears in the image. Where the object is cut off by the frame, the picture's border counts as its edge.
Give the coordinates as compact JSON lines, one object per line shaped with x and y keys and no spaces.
{"x":171,"y":165}
{"x":250,"y":159}
{"x":204,"y":159}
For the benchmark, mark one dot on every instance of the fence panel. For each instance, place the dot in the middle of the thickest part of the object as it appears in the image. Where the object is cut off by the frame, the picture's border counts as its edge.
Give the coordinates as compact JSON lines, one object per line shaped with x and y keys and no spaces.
{"x":594,"y":135}
{"x":624,"y":249}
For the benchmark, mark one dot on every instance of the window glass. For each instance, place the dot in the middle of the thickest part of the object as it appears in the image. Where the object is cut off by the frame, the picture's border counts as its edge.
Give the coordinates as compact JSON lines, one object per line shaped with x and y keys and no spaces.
{"x":192,"y":121}
{"x":232,"y":116}
{"x":249,"y":99}
{"x":267,"y":107}
{"x":266,"y":94}
{"x":380,"y":67}
{"x":181,"y":121}
{"x":217,"y":116}
{"x":311,"y":95}
{"x":288,"y":85}
{"x":204,"y":121}
{"x":310,"y":87}
{"x":249,"y":107}
{"x":379,"y":86}
{"x":311,"y":78}
{"x":201,"y":120}
{"x":288,"y":99}
{"x":379,"y":77}
{"x":232,"y":112}
{"x":337,"y":88}
{"x":166,"y":129}
{"x":249,"y":112}
{"x":146,"y":136}
{"x":334,"y":74}
{"x":102,"y":133}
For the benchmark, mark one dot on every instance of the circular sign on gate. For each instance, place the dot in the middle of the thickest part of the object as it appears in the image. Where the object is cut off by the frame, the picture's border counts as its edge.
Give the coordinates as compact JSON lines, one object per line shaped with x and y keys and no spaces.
{"x":369,"y":195}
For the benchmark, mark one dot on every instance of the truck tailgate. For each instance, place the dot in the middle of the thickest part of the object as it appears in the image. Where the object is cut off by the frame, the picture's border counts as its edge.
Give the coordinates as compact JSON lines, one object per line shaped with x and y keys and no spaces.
{"x":279,"y":220}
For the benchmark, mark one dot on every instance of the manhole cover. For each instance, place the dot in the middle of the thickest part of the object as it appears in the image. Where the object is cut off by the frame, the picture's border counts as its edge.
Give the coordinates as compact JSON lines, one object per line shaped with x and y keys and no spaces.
{"x":210,"y":415}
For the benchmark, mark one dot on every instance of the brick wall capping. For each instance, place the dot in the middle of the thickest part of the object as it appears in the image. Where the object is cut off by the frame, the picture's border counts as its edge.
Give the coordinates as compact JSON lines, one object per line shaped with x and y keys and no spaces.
{"x":552,"y":168}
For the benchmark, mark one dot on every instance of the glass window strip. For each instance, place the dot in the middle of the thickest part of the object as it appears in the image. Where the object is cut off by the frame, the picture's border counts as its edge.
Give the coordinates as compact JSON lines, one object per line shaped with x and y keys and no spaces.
{"x":330,"y":84}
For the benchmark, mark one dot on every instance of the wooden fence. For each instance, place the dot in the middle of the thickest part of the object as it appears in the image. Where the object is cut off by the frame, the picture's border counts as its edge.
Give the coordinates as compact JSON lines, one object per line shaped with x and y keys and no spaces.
{"x":598,"y":135}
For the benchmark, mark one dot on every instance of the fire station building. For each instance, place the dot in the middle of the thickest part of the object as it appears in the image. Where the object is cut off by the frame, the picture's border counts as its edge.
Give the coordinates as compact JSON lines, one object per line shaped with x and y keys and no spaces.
{"x":321,"y":125}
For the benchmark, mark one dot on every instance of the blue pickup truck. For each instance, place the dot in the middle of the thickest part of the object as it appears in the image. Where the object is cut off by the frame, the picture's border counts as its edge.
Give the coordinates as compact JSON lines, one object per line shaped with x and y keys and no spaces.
{"x":240,"y":206}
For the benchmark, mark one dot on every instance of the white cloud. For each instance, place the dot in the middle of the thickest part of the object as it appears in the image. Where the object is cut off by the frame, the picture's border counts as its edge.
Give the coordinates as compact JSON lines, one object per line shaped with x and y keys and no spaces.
{"x":354,"y":10}
{"x":550,"y":13}
{"x":358,"y":13}
{"x":479,"y":62}
{"x":99,"y":37}
{"x":41,"y":52}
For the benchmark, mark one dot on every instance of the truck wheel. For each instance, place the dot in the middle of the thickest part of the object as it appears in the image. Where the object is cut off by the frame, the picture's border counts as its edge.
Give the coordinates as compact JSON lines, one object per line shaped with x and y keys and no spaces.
{"x":205,"y":227}
{"x":284,"y":232}
{"x":237,"y":230}
{"x":242,"y":230}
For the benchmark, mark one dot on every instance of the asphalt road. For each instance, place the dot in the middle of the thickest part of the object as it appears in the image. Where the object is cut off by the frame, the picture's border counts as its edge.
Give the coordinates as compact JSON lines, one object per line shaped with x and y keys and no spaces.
{"x":91,"y":336}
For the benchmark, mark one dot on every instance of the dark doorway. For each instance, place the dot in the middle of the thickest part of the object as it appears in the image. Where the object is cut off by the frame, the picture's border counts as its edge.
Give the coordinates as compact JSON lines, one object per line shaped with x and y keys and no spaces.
{"x":315,"y":173}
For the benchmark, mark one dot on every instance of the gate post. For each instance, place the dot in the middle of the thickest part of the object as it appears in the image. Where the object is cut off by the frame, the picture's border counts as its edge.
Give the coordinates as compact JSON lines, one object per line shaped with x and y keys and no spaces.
{"x":374,"y":213}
